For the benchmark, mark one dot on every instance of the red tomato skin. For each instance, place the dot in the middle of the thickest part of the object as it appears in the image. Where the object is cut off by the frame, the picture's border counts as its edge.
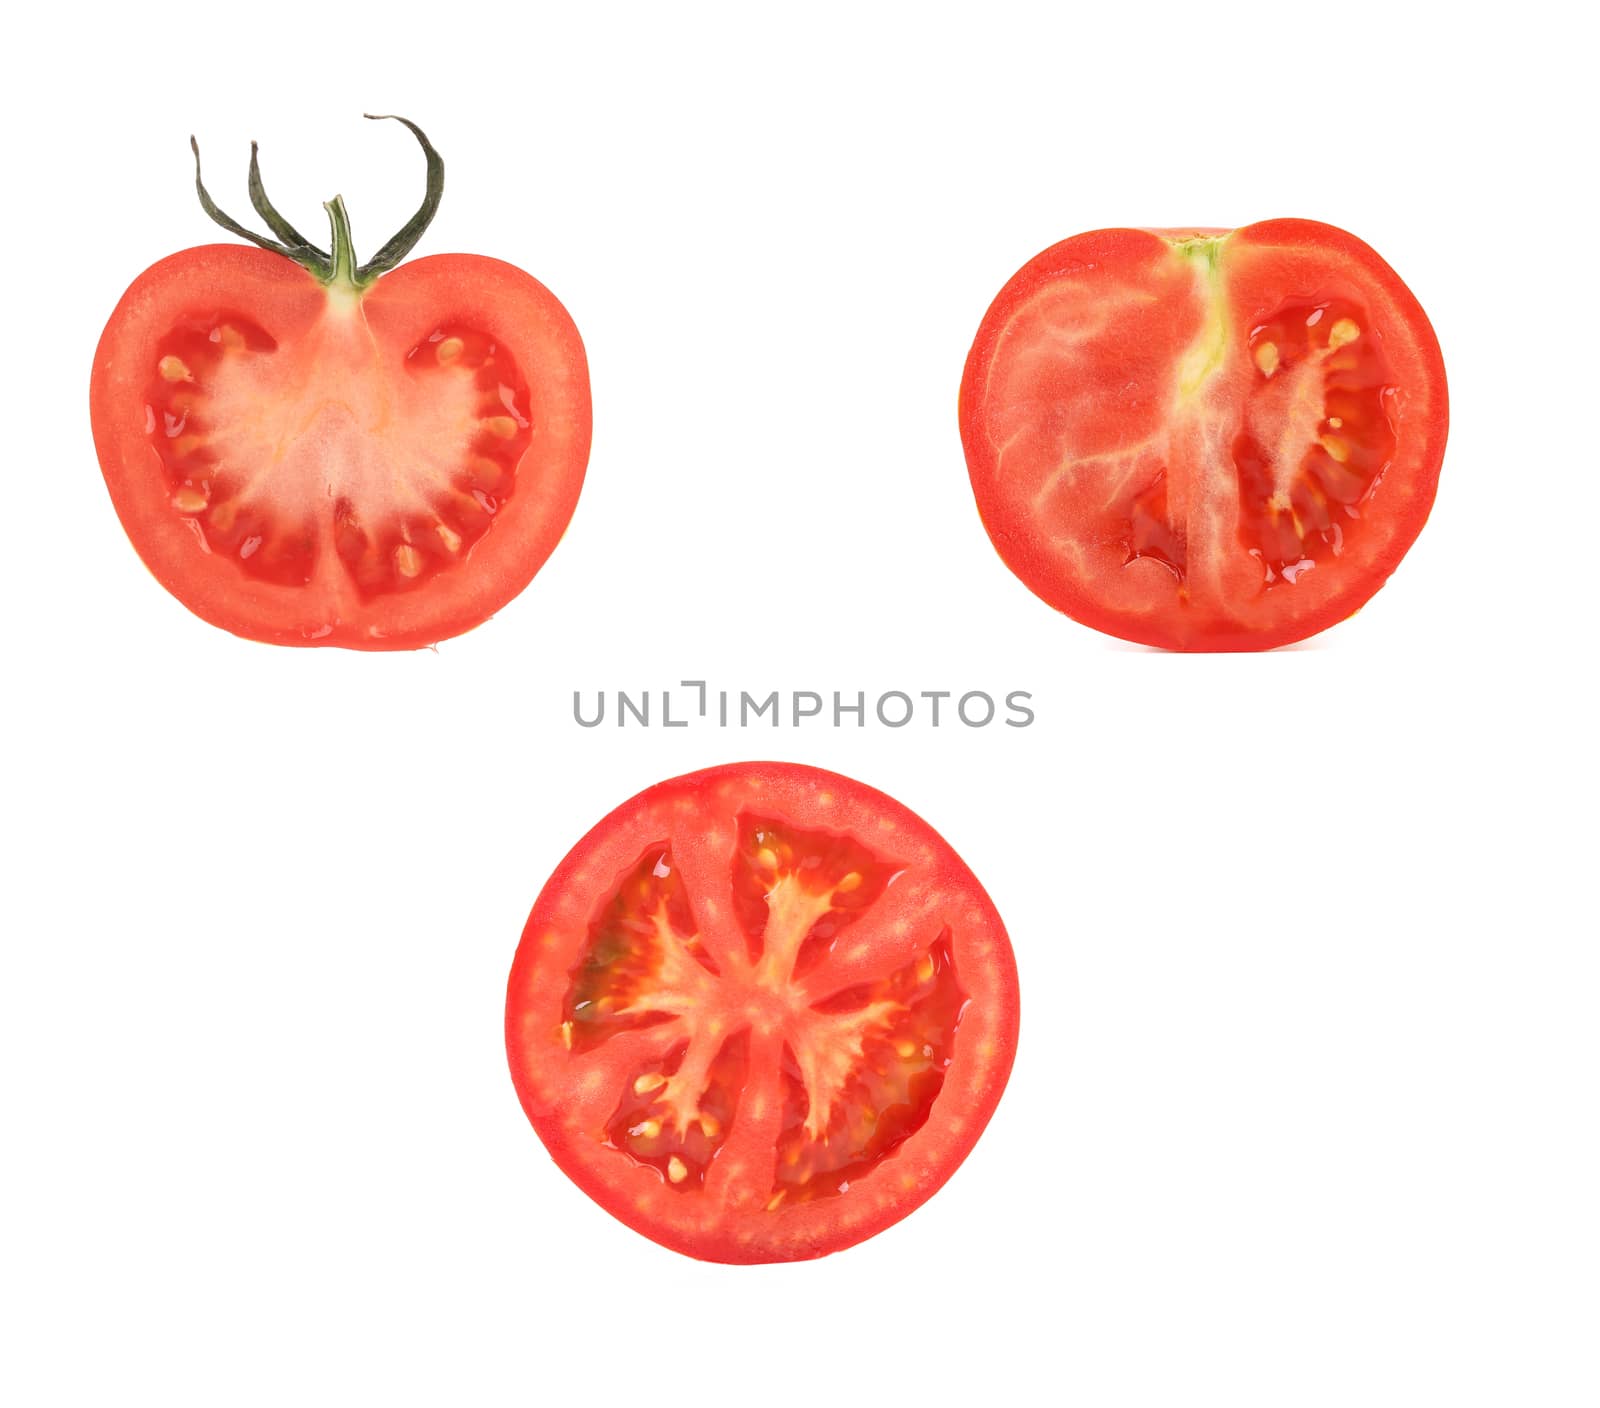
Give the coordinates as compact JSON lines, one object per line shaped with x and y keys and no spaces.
{"x":288,"y":300}
{"x":787,"y":792}
{"x":1416,"y":480}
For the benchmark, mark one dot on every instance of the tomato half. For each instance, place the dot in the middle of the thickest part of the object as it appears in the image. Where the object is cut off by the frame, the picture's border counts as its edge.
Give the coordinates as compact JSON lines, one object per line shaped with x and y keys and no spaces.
{"x":761,"y":1012}
{"x":1205,"y":440}
{"x":309,"y":453}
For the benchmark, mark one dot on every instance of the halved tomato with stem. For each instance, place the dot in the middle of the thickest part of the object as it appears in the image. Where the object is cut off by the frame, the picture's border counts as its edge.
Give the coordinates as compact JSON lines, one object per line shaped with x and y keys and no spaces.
{"x":1202,"y":439}
{"x":761,"y":1012}
{"x":311,"y":452}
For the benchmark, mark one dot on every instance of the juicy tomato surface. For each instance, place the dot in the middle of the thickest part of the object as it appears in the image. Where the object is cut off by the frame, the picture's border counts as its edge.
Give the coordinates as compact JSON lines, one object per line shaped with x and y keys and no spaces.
{"x":761,"y":1012}
{"x":1202,"y":439}
{"x":376,"y":463}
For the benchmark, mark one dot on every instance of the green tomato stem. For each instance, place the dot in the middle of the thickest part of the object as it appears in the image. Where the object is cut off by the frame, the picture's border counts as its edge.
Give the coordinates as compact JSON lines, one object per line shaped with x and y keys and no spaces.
{"x":336,"y":267}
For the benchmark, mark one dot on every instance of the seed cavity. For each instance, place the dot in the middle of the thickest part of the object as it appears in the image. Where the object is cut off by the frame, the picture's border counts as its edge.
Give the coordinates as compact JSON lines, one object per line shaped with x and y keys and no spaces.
{"x":862,"y":1072}
{"x":1290,"y":494}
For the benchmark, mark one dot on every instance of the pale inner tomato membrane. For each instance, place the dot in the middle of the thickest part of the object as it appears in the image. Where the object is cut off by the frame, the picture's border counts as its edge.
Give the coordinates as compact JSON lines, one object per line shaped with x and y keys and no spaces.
{"x":379,"y":467}
{"x":1282,"y":476}
{"x":861,"y":1068}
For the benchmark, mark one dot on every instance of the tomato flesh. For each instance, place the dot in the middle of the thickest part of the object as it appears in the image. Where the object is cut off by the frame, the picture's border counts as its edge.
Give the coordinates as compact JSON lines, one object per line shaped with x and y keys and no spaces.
{"x":269,"y":469}
{"x":321,"y":466}
{"x":771,"y":1029}
{"x":1205,"y":440}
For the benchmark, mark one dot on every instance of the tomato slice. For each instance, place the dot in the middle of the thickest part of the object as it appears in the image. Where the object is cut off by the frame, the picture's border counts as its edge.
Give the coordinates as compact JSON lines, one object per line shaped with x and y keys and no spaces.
{"x":1205,"y":440}
{"x":761,"y":1012}
{"x":308,"y":457}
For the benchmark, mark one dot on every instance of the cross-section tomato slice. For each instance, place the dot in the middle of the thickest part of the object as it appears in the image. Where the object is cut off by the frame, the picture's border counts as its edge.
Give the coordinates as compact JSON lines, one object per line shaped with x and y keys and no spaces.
{"x":1205,"y":440}
{"x":761,"y":1012}
{"x":312,"y":454}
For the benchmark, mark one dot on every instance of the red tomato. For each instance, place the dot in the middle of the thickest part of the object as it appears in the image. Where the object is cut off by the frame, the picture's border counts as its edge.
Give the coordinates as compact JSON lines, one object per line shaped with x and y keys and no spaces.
{"x":309,"y":453}
{"x":761,"y":1012}
{"x":1205,"y":440}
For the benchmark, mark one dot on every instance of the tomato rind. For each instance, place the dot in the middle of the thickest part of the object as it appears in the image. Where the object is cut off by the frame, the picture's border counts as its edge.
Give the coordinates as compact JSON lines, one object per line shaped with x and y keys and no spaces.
{"x":708,"y":803}
{"x":413,"y":298}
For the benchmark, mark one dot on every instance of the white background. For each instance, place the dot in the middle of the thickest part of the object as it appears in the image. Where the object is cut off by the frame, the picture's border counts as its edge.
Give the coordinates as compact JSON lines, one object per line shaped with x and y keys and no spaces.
{"x":1305,"y":1107}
